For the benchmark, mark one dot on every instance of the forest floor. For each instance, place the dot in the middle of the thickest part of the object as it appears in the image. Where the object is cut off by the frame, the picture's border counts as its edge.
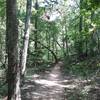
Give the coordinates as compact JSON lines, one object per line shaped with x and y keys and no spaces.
{"x":53,"y":84}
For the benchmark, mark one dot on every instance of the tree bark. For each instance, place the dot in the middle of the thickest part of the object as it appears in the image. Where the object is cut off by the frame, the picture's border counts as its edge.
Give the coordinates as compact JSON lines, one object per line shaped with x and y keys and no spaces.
{"x":36,"y":27}
{"x":13,"y":74}
{"x":80,"y":30}
{"x":26,"y":37}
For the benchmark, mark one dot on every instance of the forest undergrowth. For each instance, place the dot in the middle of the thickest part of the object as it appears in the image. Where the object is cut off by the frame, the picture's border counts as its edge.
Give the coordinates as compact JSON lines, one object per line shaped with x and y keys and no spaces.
{"x":66,"y":80}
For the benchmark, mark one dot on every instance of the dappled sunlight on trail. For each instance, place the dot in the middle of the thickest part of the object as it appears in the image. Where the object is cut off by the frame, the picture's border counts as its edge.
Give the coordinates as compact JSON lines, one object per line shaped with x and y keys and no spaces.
{"x":53,"y":85}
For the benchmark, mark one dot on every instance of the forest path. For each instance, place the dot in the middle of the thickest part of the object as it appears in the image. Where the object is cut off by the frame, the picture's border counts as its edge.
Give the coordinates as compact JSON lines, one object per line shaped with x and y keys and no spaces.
{"x":53,"y":85}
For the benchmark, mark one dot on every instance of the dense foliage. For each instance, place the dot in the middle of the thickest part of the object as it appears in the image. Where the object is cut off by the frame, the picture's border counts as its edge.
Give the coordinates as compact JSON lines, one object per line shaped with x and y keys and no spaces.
{"x":60,"y":30}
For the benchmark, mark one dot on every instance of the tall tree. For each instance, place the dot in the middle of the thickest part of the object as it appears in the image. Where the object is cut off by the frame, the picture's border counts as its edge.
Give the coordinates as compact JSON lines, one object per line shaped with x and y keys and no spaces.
{"x":80,"y":28}
{"x":36,"y":26}
{"x":26,"y":37}
{"x":13,"y":75}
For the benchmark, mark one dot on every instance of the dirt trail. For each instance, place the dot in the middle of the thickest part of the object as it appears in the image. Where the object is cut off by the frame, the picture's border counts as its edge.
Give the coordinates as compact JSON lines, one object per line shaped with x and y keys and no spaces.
{"x":53,"y":85}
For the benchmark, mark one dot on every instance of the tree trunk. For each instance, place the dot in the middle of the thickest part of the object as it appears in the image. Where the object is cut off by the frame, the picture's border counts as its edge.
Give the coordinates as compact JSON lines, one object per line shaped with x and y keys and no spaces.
{"x":36,"y":26}
{"x":13,"y":75}
{"x":26,"y":37}
{"x":66,"y":42}
{"x":49,"y":45}
{"x":47,"y":37}
{"x":80,"y":30}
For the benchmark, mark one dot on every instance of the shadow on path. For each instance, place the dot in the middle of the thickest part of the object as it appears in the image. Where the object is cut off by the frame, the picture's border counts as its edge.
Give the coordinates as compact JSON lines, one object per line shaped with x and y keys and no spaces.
{"x":53,"y":85}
